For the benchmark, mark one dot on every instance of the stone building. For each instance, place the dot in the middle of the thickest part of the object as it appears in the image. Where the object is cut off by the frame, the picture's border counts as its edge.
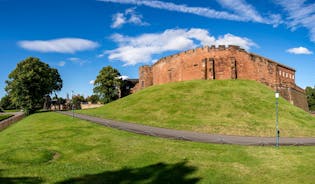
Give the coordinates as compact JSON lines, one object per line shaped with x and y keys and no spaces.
{"x":217,"y":63}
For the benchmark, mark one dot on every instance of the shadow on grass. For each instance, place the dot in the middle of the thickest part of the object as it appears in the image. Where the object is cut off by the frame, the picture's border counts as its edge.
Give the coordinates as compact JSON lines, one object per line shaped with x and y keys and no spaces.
{"x":18,"y":180}
{"x":156,"y":173}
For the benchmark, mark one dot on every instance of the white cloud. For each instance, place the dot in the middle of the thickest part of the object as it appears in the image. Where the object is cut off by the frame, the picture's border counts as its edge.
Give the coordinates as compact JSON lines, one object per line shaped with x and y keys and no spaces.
{"x":129,"y":16}
{"x":73,"y":59}
{"x":241,"y":10}
{"x":92,"y":82}
{"x":61,"y":63}
{"x":77,"y":60}
{"x":300,"y":14}
{"x":118,"y":20}
{"x":61,"y":45}
{"x":140,"y":49}
{"x":124,"y":77}
{"x":229,"y":39}
{"x":299,"y":50}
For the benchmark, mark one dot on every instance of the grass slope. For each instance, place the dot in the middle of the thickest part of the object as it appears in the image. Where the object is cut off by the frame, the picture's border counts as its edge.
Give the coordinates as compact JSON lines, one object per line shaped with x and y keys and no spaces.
{"x":50,"y":148}
{"x":4,"y":116}
{"x":232,"y":107}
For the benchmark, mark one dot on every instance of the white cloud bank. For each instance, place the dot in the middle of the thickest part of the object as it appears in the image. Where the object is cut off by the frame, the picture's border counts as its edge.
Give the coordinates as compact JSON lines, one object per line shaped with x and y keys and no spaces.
{"x":249,"y":13}
{"x":242,"y":11}
{"x":299,"y":50}
{"x":61,"y":45}
{"x":300,"y":14}
{"x":130,"y":16}
{"x":140,"y":49}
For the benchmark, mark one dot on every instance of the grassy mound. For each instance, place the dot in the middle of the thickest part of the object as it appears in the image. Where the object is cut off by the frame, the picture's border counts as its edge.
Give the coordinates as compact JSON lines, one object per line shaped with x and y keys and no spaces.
{"x":60,"y":149}
{"x":232,"y":107}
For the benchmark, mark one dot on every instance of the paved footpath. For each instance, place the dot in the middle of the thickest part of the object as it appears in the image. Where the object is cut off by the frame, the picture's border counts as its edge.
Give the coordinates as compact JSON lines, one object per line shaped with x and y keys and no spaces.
{"x":193,"y":136}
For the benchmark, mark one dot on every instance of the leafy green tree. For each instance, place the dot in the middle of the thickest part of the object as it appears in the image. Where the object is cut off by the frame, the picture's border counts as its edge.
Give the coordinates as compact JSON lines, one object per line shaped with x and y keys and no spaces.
{"x":107,"y":84}
{"x":6,"y":103}
{"x":76,"y":101}
{"x":57,"y":102}
{"x":310,"y":93}
{"x":30,"y":82}
{"x":93,"y":99}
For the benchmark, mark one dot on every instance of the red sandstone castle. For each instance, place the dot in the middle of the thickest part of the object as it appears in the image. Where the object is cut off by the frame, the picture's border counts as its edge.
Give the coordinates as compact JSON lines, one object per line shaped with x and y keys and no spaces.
{"x":217,"y":63}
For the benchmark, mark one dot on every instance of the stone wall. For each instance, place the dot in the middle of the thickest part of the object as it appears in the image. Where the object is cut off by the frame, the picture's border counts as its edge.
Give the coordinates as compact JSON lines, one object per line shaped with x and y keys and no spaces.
{"x":295,"y":96}
{"x":7,"y":122}
{"x":145,"y":77}
{"x":216,"y":63}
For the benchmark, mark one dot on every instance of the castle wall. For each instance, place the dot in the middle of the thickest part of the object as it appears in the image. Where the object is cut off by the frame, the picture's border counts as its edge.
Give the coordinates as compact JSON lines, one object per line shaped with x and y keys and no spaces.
{"x":295,"y":96}
{"x":145,"y":77}
{"x":216,"y":63}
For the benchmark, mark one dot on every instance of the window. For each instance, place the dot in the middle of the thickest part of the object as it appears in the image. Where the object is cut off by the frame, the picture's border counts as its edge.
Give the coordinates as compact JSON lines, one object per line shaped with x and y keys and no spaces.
{"x":279,"y":72}
{"x":142,"y":84}
{"x":286,"y":75}
{"x":293,"y":77}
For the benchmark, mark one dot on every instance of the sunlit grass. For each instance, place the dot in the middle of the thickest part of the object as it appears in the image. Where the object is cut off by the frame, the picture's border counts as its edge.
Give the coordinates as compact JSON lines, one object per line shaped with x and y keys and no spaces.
{"x":232,"y":107}
{"x":50,"y":147}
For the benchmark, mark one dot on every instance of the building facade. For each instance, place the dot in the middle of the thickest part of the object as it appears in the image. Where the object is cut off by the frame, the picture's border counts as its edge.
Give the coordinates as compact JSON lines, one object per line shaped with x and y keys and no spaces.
{"x":218,"y":63}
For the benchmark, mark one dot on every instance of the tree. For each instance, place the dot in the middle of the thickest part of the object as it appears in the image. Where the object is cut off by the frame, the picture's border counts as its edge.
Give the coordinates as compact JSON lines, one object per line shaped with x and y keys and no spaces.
{"x":6,"y":103}
{"x":310,"y":94}
{"x":57,"y":102}
{"x":93,"y":99}
{"x":30,"y":82}
{"x":107,"y":84}
{"x":76,"y":101}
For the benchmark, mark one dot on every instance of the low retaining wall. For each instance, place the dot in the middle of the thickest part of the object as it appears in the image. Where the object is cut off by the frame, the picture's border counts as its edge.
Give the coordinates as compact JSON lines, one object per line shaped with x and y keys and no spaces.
{"x":7,"y":122}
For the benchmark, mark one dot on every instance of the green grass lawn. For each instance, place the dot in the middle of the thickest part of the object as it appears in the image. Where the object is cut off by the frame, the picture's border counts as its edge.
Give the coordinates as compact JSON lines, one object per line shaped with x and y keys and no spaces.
{"x":53,"y":148}
{"x":12,"y":110}
{"x":231,"y":107}
{"x":4,"y":116}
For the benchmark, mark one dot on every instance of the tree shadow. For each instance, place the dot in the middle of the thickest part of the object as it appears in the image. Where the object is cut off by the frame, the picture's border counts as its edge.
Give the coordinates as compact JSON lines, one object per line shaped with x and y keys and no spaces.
{"x":155,"y":174}
{"x":18,"y":180}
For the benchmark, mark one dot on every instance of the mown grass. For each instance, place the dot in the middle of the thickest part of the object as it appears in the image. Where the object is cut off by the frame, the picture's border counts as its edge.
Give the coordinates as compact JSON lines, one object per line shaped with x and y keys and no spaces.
{"x":54,"y":148}
{"x":12,"y":110}
{"x":4,"y":116}
{"x":232,"y":107}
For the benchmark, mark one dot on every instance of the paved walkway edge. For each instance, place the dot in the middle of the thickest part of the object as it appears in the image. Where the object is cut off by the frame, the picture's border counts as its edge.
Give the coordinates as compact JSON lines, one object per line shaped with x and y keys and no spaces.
{"x":194,"y":136}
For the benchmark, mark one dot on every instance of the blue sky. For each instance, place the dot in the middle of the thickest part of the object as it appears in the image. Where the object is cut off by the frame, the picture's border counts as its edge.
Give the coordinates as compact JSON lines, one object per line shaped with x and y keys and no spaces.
{"x":79,"y":37}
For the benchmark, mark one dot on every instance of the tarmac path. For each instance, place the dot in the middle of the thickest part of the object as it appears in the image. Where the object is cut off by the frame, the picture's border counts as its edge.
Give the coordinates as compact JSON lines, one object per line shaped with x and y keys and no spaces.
{"x":195,"y":136}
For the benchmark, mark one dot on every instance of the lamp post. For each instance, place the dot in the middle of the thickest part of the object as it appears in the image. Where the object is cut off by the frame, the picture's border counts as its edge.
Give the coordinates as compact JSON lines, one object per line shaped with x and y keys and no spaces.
{"x":277,"y":122}
{"x":72,"y":104}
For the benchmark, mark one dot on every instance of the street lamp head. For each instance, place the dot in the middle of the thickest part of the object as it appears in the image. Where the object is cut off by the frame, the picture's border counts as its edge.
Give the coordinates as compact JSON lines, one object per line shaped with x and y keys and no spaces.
{"x":277,"y":94}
